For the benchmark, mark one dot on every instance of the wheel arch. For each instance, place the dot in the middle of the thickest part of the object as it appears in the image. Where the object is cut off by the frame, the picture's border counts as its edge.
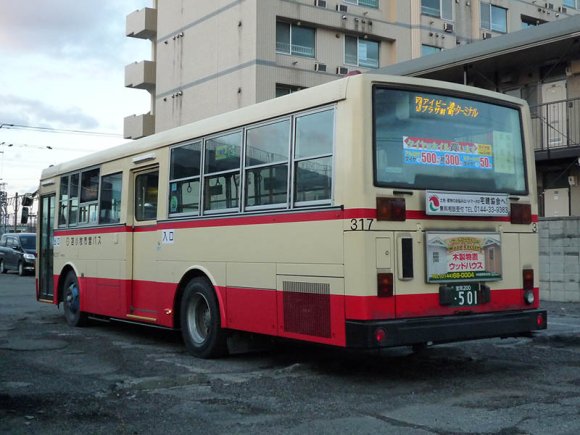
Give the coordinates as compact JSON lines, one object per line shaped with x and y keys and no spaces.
{"x":192,"y":273}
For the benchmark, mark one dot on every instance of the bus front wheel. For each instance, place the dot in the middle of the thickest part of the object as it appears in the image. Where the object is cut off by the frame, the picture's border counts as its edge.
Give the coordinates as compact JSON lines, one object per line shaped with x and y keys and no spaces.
{"x":71,"y":299}
{"x":200,"y":320}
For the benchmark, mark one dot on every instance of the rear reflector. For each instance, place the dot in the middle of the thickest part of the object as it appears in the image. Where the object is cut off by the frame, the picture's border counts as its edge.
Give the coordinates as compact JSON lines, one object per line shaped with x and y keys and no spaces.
{"x":540,"y":321}
{"x":521,"y":214}
{"x":385,"y":285}
{"x":391,"y":209}
{"x":380,"y":335}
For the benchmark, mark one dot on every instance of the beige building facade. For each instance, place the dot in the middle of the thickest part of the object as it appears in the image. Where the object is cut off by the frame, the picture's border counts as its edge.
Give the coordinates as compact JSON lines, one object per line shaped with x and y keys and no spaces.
{"x":210,"y":57}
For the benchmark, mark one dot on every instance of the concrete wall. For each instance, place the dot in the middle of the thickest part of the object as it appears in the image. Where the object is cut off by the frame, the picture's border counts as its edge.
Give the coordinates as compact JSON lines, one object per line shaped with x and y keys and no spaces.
{"x":560,"y":259}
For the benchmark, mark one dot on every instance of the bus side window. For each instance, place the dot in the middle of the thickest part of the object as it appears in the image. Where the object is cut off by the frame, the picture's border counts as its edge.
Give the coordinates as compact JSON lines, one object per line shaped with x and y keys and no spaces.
{"x":313,"y":157}
{"x":110,"y":199}
{"x":146,"y":196}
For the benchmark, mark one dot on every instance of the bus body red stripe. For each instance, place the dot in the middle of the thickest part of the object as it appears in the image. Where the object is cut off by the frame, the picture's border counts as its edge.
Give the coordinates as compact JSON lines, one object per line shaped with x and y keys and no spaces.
{"x":276,"y":218}
{"x":262,"y":310}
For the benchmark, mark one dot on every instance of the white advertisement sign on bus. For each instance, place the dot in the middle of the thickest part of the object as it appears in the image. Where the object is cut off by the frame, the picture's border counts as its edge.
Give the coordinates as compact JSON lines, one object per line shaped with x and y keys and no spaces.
{"x":461,"y":257}
{"x":466,"y":204}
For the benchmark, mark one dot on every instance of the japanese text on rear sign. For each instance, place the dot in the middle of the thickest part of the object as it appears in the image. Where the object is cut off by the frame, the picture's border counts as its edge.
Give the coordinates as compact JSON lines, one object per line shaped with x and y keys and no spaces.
{"x":444,"y":108}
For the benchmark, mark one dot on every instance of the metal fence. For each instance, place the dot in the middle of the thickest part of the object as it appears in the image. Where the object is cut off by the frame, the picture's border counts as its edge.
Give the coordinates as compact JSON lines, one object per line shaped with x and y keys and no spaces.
{"x":556,"y":125}
{"x":11,"y":219}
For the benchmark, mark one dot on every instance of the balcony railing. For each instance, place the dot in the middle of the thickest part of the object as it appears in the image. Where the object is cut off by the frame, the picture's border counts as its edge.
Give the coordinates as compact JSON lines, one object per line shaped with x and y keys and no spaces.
{"x":369,"y":3}
{"x":298,"y":50}
{"x":556,"y":125}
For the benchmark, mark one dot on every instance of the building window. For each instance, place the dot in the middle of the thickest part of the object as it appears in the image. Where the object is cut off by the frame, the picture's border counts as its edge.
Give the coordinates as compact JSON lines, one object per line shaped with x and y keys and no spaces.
{"x":294,"y":39}
{"x":571,"y":4}
{"x":282,"y":90}
{"x":361,"y":52}
{"x":367,"y":3}
{"x":493,"y":18}
{"x":429,"y":49}
{"x":438,"y":8}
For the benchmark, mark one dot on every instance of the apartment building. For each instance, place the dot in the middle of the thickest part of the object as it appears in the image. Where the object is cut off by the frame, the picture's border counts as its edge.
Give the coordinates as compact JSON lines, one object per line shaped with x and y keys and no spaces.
{"x":210,"y":57}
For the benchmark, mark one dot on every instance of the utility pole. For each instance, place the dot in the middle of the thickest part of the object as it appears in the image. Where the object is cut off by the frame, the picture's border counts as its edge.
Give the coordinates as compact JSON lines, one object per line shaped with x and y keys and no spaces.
{"x":16,"y":213}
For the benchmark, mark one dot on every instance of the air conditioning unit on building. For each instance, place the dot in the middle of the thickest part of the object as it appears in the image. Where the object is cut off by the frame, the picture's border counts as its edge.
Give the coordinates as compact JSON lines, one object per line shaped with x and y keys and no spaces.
{"x":448,"y":27}
{"x":320,"y":67}
{"x":320,"y":3}
{"x":341,"y":8}
{"x":549,"y":5}
{"x":562,"y":9}
{"x":486,"y":35}
{"x":341,"y":70}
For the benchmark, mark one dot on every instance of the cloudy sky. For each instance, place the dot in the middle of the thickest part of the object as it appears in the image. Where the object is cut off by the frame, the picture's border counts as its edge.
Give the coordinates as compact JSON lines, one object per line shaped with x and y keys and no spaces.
{"x":62,"y":68}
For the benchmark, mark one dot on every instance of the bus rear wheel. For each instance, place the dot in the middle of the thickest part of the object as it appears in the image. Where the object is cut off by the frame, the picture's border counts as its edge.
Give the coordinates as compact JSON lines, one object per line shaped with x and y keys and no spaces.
{"x":200,"y":320}
{"x":71,"y":299}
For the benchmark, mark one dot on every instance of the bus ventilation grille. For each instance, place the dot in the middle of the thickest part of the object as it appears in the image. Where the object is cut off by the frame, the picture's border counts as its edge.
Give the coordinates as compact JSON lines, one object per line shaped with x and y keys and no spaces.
{"x":307,"y":308}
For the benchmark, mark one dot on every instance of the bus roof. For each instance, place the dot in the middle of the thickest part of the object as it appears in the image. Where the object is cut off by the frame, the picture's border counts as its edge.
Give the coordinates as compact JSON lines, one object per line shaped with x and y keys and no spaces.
{"x":311,"y":97}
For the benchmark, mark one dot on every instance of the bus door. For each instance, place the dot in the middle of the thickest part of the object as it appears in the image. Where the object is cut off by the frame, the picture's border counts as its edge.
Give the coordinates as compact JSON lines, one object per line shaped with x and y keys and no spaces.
{"x":143,"y":295}
{"x":45,"y":283}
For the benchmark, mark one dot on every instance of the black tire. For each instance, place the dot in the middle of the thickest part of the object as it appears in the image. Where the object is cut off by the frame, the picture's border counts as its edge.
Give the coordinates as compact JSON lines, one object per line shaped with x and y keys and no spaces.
{"x":200,"y":321}
{"x":71,"y":300}
{"x":21,"y":271}
{"x":2,"y":268}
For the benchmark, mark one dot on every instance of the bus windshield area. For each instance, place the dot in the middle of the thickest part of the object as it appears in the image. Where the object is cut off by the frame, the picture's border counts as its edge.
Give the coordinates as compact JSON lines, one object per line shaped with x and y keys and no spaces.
{"x":424,"y":140}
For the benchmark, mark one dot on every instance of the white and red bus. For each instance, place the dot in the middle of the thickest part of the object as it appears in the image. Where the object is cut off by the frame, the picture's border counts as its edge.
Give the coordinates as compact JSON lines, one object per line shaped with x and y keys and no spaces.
{"x":369,"y":212}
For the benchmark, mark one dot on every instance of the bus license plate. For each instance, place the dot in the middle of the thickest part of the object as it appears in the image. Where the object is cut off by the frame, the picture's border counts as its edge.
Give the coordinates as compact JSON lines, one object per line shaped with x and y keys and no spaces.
{"x":465,"y":295}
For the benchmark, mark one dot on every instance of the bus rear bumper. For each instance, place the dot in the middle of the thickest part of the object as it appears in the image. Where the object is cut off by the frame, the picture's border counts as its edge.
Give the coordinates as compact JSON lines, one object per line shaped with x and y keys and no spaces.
{"x":405,"y":332}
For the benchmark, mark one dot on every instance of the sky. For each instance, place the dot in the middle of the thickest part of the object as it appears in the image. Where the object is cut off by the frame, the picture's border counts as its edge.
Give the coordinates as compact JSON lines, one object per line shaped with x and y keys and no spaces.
{"x":63,"y":66}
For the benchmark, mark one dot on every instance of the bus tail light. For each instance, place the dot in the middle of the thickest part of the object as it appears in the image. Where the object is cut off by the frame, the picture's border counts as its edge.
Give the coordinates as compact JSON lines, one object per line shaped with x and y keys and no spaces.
{"x":521,"y":214}
{"x":528,"y":278}
{"x":391,"y":209}
{"x":385,"y":285}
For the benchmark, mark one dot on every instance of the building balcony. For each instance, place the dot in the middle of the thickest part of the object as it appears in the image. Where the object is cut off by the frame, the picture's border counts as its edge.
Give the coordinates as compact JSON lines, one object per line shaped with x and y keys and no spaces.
{"x":138,"y":126}
{"x":556,"y":128}
{"x":140,"y":75}
{"x":142,"y":24}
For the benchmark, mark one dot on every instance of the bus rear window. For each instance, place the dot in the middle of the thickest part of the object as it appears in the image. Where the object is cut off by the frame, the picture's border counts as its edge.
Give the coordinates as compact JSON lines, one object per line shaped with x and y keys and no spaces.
{"x":438,"y":142}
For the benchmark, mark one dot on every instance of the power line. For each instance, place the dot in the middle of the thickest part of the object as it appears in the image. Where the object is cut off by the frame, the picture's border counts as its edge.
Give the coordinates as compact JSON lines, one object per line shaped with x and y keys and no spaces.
{"x":56,"y":130}
{"x":49,"y":147}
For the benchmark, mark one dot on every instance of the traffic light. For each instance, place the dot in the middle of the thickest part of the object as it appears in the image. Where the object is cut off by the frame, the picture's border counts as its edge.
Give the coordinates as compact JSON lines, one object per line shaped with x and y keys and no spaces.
{"x":24,"y":215}
{"x":27,"y":201}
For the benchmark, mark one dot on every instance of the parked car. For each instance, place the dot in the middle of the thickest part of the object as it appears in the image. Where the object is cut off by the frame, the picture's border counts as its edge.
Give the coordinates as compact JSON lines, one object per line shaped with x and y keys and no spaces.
{"x":18,"y":252}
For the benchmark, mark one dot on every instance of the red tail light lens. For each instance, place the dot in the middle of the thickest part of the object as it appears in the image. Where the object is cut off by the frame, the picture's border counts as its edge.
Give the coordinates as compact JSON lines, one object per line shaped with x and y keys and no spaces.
{"x":385,"y":285}
{"x":391,"y":209}
{"x":521,"y":214}
{"x":528,"y":275}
